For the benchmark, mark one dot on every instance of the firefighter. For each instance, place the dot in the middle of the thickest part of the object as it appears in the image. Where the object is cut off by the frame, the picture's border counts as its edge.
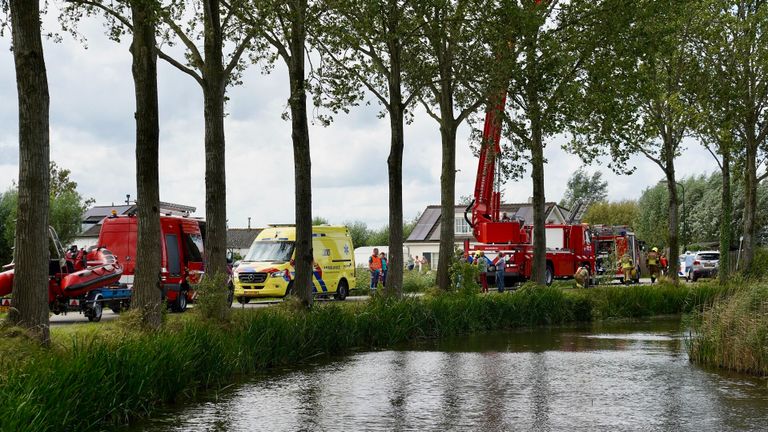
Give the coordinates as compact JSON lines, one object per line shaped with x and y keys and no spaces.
{"x":627,"y":267}
{"x":581,"y":276}
{"x":482,"y":265}
{"x":653,"y":263}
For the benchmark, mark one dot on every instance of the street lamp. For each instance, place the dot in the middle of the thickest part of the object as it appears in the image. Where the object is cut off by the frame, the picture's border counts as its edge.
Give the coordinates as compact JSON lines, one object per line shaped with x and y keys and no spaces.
{"x":685,"y":224}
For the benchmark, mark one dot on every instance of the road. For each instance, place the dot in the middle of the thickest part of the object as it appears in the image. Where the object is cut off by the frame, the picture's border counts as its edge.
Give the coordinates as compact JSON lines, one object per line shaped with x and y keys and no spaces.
{"x":108,"y":315}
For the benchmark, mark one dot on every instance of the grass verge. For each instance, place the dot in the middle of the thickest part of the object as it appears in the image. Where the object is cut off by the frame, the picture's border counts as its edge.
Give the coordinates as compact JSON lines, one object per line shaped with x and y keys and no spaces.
{"x":96,"y":380}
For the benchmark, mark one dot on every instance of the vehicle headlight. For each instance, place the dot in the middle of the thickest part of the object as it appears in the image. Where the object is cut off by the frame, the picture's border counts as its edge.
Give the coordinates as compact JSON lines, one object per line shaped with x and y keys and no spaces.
{"x":277,"y":274}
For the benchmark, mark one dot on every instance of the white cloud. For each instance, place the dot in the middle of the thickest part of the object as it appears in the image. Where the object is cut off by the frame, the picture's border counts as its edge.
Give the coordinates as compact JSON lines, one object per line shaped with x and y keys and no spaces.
{"x":92,"y":129}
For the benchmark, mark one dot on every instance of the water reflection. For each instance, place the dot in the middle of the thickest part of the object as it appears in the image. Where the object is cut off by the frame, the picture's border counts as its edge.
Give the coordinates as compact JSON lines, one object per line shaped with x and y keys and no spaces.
{"x":607,"y":377}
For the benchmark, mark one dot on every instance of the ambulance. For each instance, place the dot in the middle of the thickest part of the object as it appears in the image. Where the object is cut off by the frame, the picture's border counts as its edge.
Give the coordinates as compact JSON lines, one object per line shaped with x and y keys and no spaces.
{"x":267,"y":269}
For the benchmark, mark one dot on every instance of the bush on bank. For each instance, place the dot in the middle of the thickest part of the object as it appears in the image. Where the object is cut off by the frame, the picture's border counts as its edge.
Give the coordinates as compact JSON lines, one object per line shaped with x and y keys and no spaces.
{"x":94,"y":381}
{"x":733,"y":333}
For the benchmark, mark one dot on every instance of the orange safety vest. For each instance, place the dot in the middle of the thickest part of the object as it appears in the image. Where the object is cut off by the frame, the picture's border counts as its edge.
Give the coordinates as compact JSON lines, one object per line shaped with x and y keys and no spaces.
{"x":374,"y":262}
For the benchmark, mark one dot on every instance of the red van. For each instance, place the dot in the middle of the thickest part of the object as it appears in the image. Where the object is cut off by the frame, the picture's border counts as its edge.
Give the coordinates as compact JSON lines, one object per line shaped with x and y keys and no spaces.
{"x":182,"y":254}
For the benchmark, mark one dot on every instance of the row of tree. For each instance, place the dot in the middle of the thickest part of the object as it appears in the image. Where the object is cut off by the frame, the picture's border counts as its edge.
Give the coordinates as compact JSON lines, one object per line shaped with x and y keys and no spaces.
{"x":622,"y":77}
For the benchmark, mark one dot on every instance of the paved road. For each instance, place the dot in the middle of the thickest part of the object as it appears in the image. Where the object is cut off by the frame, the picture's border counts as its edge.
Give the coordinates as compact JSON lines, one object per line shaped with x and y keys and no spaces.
{"x":108,"y":315}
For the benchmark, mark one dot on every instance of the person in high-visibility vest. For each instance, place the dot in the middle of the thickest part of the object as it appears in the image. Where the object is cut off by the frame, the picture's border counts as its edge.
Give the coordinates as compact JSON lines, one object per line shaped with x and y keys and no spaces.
{"x":627,"y":266}
{"x":653,"y":263}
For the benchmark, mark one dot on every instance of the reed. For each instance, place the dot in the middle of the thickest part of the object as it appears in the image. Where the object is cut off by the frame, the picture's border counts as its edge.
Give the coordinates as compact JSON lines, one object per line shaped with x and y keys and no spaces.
{"x":733,"y":333}
{"x":95,"y":380}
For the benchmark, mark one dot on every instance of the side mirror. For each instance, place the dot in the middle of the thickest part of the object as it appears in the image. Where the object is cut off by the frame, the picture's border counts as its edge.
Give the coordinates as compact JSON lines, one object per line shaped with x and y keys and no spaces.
{"x":230,"y":255}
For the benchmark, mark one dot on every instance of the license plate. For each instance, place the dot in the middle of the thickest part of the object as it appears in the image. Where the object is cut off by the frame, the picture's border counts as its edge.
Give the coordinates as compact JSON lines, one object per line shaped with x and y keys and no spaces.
{"x":708,"y":265}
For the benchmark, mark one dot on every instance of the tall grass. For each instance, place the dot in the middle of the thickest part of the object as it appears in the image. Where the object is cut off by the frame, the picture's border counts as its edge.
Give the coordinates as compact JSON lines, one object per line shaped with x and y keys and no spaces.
{"x":733,"y":333}
{"x":94,"y":382}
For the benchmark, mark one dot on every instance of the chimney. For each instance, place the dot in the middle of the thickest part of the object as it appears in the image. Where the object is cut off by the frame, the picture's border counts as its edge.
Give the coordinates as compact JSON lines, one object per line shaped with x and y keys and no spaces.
{"x":249,"y":222}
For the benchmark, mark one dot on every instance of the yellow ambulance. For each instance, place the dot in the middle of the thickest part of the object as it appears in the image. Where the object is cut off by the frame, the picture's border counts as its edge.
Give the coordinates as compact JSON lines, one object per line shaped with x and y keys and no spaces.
{"x":267,"y":269}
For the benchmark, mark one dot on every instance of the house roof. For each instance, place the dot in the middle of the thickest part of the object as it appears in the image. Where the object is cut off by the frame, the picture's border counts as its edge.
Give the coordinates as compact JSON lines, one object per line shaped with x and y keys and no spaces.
{"x":92,"y":231}
{"x":427,"y":228}
{"x":241,"y":238}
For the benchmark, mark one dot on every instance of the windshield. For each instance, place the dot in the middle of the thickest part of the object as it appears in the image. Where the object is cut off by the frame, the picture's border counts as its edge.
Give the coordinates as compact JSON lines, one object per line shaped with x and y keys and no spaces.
{"x":709,"y":256}
{"x":272,"y":251}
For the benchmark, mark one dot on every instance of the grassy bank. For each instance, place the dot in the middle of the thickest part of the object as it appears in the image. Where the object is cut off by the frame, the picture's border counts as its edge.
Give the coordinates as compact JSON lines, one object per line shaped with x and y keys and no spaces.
{"x":733,"y":334}
{"x":95,"y":380}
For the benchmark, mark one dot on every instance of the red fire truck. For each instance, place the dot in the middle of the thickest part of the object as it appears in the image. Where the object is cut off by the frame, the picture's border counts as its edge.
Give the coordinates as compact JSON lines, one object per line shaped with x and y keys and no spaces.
{"x":611,"y":243}
{"x":569,"y":246}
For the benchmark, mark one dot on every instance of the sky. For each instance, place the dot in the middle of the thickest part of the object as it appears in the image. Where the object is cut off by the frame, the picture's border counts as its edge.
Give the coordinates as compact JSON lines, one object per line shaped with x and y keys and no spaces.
{"x":92,"y":134}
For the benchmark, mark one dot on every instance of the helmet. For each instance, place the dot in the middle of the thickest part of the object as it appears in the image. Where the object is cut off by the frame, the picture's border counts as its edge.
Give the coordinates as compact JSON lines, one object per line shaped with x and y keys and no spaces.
{"x":655,"y":249}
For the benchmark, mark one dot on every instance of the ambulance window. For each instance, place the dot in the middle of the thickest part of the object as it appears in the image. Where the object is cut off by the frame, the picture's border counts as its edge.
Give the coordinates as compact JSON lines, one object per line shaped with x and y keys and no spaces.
{"x":172,"y":251}
{"x":273,"y":251}
{"x":193,"y":248}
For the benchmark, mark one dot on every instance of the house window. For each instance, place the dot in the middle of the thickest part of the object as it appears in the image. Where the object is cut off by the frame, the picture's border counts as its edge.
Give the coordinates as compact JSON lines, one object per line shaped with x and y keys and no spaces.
{"x":461,"y":226}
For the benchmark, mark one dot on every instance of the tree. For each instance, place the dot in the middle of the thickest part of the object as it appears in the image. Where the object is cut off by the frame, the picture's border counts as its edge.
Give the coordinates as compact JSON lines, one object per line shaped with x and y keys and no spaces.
{"x":358,"y":230}
{"x":365,"y":45}
{"x":583,"y":187}
{"x":319,"y":220}
{"x":284,"y":26}
{"x":208,"y":67}
{"x":146,"y":286}
{"x":643,"y":110}
{"x":454,"y":63}
{"x":612,"y":213}
{"x":29,"y":306}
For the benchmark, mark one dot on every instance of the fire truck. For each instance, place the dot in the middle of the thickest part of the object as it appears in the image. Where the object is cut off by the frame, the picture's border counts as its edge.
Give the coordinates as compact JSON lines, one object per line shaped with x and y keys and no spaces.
{"x":569,"y":246}
{"x":611,"y":243}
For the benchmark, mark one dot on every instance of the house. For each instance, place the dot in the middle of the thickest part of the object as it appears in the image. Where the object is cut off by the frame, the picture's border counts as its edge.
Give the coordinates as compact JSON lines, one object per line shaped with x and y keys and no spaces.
{"x":239,"y":240}
{"x":91,"y":224}
{"x":424,"y":240}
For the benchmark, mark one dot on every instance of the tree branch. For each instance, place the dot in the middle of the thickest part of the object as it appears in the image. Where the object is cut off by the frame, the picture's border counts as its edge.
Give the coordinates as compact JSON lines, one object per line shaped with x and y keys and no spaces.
{"x":198,"y":59}
{"x":179,"y":66}
{"x":238,"y":53}
{"x":124,"y":20}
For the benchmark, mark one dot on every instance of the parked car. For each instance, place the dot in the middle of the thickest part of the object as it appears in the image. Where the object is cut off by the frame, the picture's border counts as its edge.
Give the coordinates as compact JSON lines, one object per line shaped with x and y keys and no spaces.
{"x":705,"y":264}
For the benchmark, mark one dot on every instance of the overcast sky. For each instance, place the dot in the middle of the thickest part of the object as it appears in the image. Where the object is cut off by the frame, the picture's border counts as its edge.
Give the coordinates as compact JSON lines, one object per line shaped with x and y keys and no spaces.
{"x":92,"y":134}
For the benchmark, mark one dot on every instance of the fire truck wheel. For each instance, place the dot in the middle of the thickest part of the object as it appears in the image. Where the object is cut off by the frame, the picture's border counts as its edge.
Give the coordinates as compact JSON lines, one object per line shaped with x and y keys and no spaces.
{"x":549,"y":275}
{"x":94,"y":314}
{"x":342,"y":290}
{"x":180,"y":304}
{"x":115,"y":306}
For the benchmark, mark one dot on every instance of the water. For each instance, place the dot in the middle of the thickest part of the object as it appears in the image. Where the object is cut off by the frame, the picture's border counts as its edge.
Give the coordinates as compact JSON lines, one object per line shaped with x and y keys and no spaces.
{"x":605,"y":377}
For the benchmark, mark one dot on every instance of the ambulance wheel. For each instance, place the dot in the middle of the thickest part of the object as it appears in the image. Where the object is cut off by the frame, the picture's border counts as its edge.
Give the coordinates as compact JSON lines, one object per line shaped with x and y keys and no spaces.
{"x":243,"y":300}
{"x":94,"y":312}
{"x":180,"y":304}
{"x":289,"y":289}
{"x":342,"y":291}
{"x":549,"y":276}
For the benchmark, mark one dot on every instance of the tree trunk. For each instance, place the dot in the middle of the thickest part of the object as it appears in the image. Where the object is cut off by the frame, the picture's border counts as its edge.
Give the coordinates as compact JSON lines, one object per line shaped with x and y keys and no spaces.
{"x":29,"y":306}
{"x":302,"y":163}
{"x":214,"y":85}
{"x":146,"y":284}
{"x":539,"y":204}
{"x":447,"y":194}
{"x":395,"y":161}
{"x":672,"y":238}
{"x":725,"y":218}
{"x":750,"y":201}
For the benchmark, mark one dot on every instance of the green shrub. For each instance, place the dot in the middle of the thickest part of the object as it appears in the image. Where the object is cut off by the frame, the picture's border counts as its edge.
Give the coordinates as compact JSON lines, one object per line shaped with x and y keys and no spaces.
{"x":413,"y":281}
{"x":212,"y":301}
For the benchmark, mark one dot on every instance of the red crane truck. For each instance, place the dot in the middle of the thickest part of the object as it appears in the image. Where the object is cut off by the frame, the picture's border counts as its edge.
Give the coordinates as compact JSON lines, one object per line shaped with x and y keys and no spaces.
{"x":569,"y":246}
{"x":611,"y":243}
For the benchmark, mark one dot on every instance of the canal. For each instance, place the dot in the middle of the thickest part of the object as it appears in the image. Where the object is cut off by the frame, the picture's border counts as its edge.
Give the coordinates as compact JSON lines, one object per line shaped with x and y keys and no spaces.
{"x":620,"y":376}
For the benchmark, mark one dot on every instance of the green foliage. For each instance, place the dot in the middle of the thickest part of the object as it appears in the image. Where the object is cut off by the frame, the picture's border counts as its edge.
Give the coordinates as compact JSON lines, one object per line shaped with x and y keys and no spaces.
{"x":415,"y":282}
{"x":583,"y":187}
{"x":358,"y":230}
{"x":612,"y":213}
{"x":733,"y":334}
{"x":464,"y":277}
{"x":212,"y":302}
{"x":319,"y":220}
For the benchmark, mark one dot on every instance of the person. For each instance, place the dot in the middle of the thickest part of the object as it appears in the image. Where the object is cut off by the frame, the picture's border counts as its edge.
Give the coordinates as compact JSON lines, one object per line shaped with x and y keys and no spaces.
{"x":581,"y":276}
{"x":664,"y":263}
{"x":482,"y":262}
{"x":419,"y":263}
{"x":652,"y":259}
{"x":505,"y":217}
{"x":374,"y":265}
{"x":501,"y":265}
{"x":688,"y":264}
{"x":627,"y":266}
{"x":410,"y":263}
{"x":383,"y":257}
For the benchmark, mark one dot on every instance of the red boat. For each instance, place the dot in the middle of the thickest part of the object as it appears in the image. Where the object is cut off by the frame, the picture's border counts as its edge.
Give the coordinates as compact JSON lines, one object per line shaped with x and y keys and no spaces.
{"x":72,"y":274}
